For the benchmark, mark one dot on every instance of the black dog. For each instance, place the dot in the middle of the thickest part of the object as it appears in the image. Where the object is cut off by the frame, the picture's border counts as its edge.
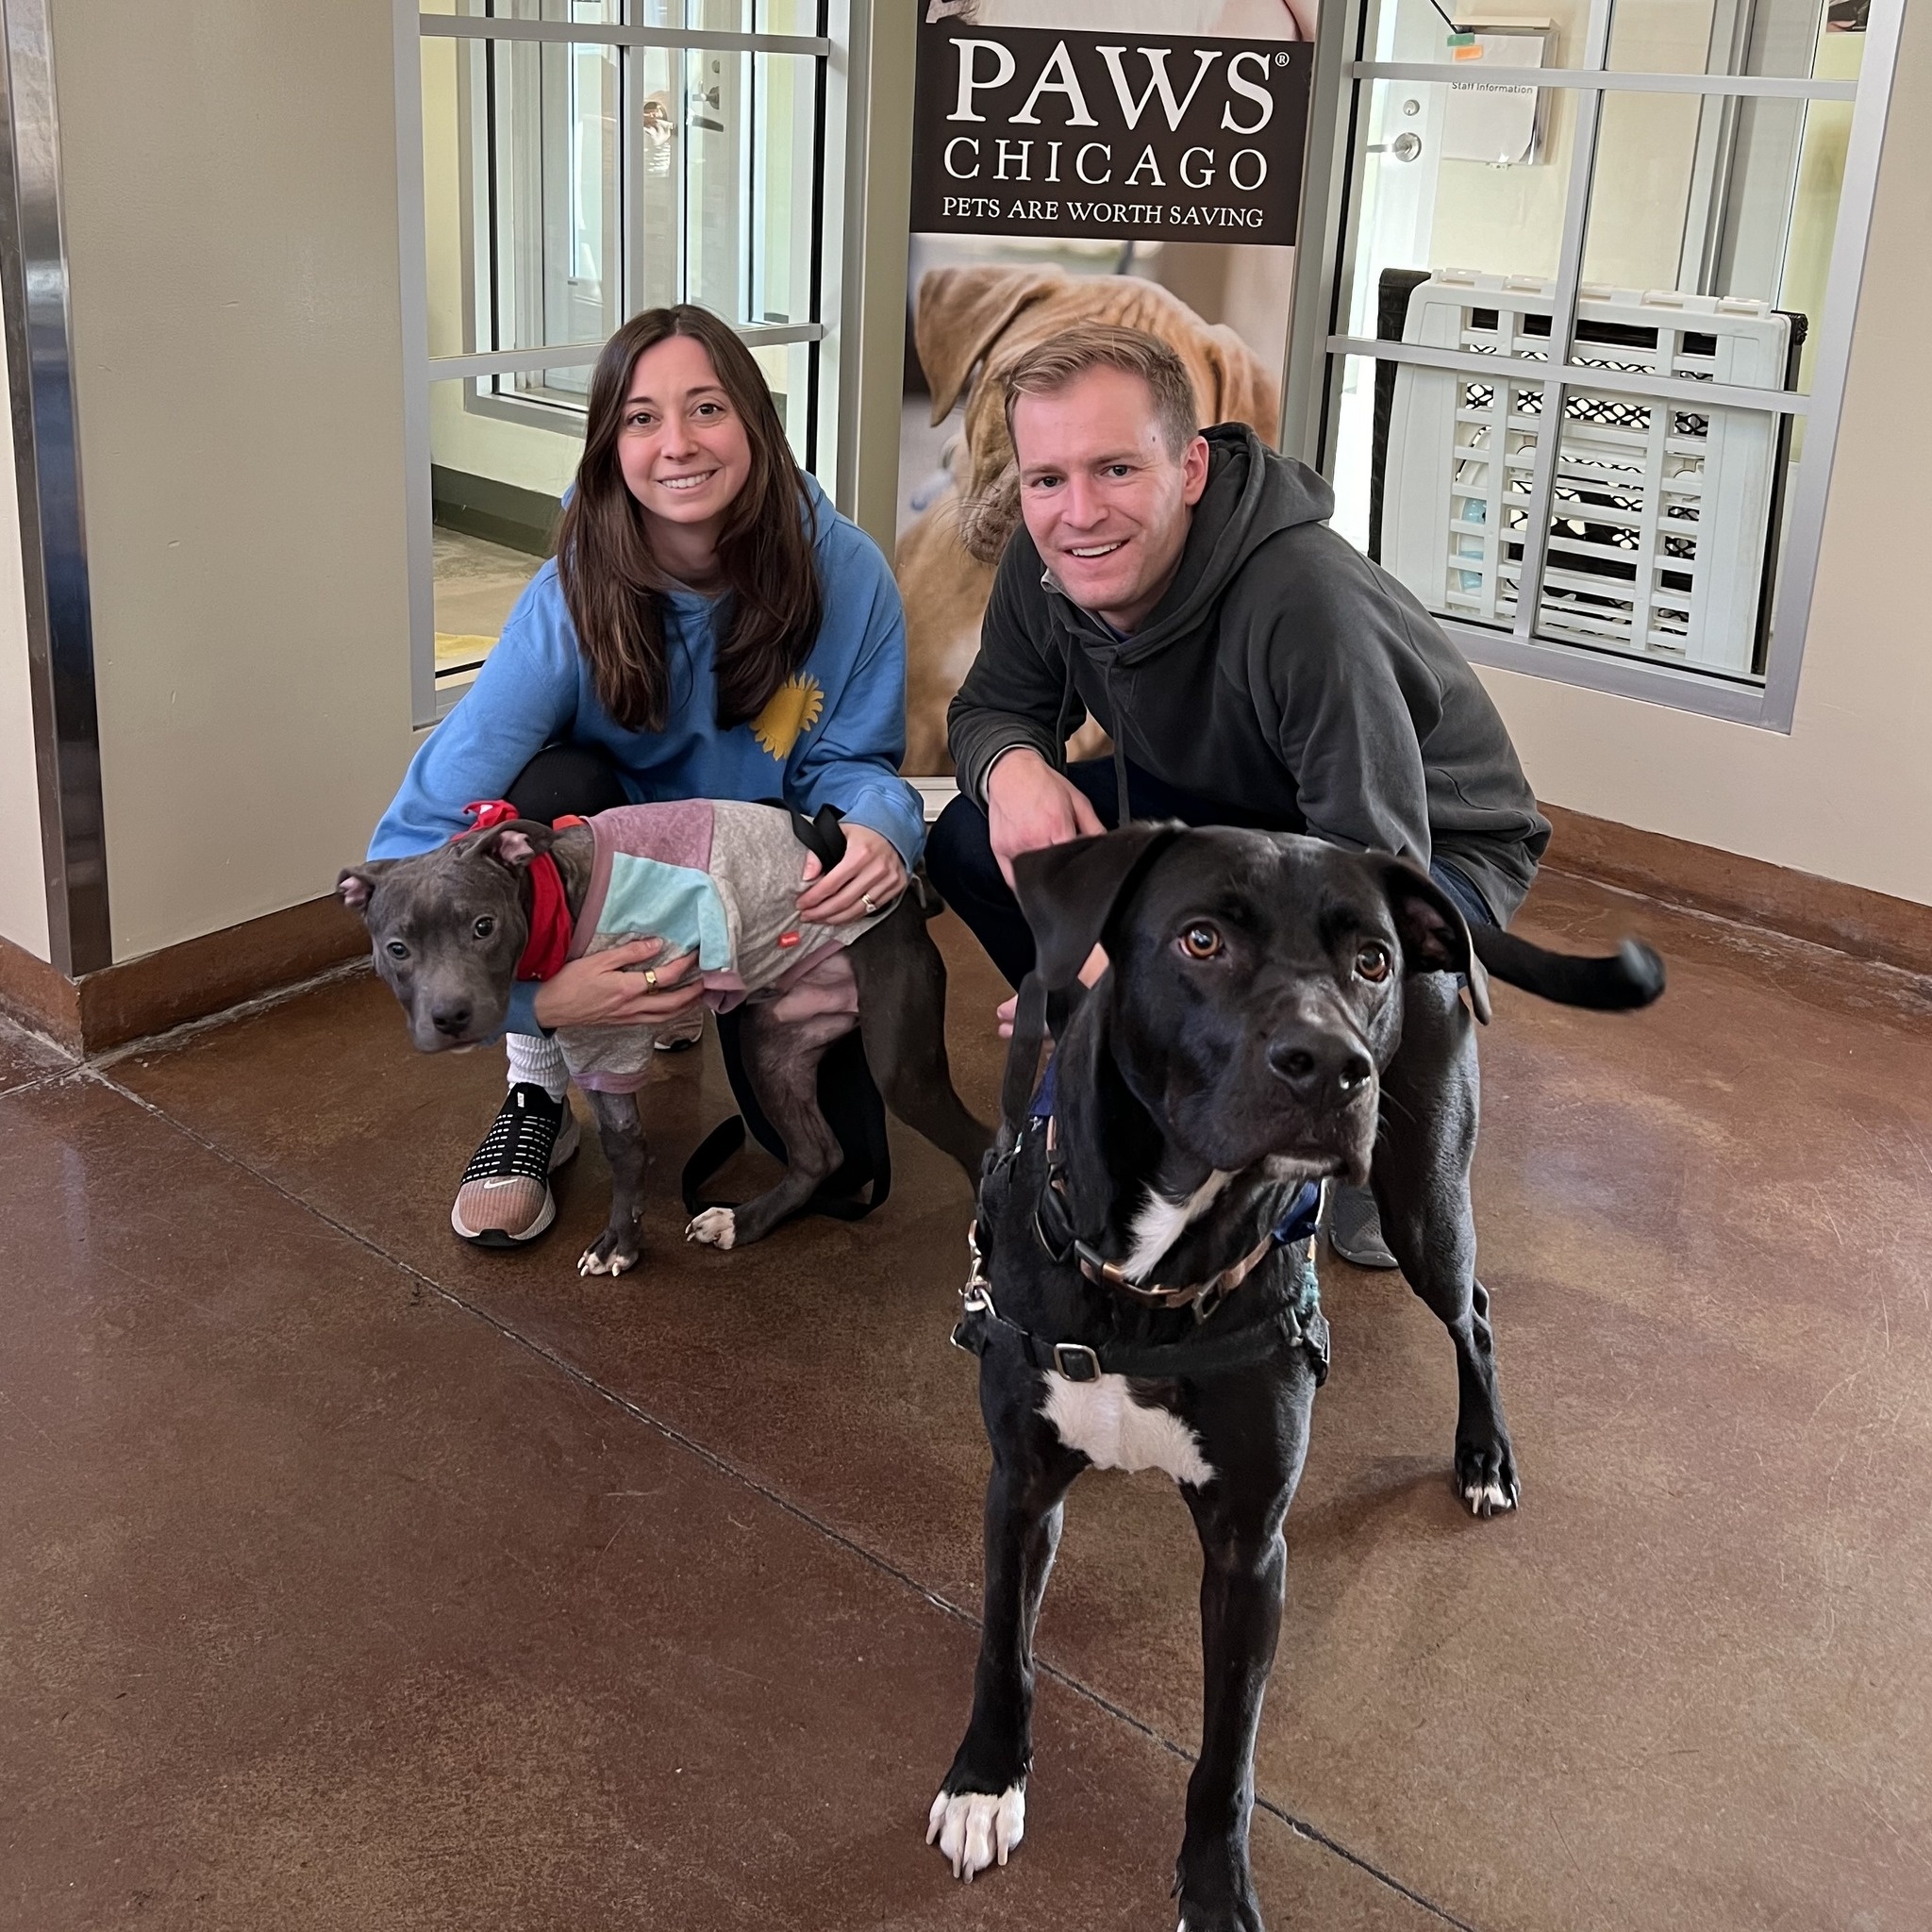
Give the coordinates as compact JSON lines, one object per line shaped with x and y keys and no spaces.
{"x":1274,"y":1010}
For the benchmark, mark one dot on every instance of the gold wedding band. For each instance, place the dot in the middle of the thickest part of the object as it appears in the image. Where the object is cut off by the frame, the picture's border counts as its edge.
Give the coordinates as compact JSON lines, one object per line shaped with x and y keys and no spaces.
{"x":650,"y":977}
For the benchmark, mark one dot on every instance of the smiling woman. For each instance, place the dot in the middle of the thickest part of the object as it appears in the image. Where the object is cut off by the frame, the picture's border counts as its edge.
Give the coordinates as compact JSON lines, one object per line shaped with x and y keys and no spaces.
{"x":686,"y":480}
{"x":710,"y":627}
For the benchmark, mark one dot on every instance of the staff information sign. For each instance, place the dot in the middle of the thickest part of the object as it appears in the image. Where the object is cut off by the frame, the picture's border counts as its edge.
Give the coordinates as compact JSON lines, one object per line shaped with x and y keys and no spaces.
{"x":1019,"y":131}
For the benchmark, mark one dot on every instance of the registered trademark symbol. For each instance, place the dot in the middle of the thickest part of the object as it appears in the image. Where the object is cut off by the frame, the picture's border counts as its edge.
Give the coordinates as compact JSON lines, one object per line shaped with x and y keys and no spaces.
{"x":1281,"y":59}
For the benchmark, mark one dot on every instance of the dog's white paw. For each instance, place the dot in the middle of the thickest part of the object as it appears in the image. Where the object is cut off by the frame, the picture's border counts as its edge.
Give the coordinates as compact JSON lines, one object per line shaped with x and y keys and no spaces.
{"x":1487,"y":1499}
{"x":591,"y":1262}
{"x":717,"y":1227}
{"x":974,"y":1829}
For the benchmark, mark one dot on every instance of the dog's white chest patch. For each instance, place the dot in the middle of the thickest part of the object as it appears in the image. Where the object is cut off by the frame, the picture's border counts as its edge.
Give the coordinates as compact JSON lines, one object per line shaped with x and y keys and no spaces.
{"x":1113,"y":1431}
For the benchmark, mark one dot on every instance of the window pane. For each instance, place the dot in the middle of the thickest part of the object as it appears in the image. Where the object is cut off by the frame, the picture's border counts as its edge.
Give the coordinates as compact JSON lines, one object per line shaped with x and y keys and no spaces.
{"x":1427,"y":202}
{"x":1412,"y":31}
{"x":1779,"y":38}
{"x":495,"y":481}
{"x":448,"y":68}
{"x":1660,"y":527}
{"x":1730,"y":199}
{"x":596,"y":12}
{"x":727,"y":160}
{"x":787,"y":369}
{"x":522,"y":193}
{"x":730,"y":16}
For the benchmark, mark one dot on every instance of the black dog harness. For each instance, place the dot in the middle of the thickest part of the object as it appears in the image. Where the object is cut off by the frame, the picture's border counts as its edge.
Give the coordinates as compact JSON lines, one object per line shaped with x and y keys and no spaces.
{"x":1299,"y":1326}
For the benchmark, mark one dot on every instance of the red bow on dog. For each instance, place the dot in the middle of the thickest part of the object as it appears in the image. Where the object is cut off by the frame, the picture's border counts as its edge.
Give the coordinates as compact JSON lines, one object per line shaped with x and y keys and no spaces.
{"x":548,"y":945}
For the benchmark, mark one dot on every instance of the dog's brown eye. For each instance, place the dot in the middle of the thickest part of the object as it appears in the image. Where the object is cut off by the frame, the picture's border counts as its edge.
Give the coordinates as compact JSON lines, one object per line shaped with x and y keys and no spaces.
{"x":1200,"y":943}
{"x":1371,"y":963}
{"x":485,"y":926}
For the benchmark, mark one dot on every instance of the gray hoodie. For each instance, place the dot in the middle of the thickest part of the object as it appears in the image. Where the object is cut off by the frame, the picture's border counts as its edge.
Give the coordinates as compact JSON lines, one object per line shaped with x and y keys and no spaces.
{"x":1283,"y":677}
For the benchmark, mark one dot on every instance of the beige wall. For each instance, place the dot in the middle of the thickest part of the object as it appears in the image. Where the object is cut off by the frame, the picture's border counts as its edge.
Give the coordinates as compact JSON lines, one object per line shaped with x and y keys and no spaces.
{"x":1848,"y":793}
{"x":230,"y":180}
{"x":22,"y":883}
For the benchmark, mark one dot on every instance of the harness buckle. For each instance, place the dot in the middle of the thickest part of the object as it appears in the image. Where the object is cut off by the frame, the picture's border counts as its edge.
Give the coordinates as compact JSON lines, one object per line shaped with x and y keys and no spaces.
{"x":1076,"y":1361}
{"x":977,"y":1283}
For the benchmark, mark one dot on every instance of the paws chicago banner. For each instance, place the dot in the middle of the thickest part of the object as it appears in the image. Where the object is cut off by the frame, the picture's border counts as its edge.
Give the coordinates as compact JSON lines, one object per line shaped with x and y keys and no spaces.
{"x":1135,"y":161}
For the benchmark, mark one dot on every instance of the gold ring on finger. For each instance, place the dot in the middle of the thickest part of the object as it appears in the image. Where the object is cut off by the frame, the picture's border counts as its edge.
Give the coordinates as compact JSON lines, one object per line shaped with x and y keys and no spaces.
{"x":650,"y":977}
{"x":867,"y":903}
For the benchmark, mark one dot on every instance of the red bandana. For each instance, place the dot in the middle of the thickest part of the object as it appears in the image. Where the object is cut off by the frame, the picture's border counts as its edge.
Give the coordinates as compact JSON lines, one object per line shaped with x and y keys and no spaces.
{"x":548,"y":945}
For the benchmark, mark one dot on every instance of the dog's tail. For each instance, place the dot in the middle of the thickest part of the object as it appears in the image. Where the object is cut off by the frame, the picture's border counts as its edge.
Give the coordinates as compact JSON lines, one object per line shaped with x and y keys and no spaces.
{"x":1631,"y":976}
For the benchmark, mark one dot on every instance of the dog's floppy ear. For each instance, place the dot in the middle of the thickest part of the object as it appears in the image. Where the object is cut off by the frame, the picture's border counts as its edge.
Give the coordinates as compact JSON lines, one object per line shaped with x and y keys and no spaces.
{"x":962,"y":312}
{"x":1070,"y":892}
{"x":1243,"y":389}
{"x":513,"y":843}
{"x":355,"y":884}
{"x":1434,"y":934}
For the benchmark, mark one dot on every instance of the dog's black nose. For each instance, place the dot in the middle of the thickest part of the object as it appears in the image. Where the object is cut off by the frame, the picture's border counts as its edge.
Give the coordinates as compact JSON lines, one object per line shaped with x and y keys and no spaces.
{"x":450,"y":1019}
{"x":1320,"y":1065}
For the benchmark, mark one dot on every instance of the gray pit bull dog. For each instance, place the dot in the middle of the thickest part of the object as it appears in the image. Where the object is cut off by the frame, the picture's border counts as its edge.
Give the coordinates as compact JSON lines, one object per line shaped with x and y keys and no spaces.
{"x":449,"y":927}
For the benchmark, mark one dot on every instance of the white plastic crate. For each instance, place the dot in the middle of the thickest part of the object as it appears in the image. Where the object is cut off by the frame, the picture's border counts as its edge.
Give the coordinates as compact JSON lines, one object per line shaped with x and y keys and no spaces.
{"x":1660,"y":512}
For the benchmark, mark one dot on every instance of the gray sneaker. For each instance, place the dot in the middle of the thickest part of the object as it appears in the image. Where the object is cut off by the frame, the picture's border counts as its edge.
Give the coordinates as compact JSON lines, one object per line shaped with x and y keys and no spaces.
{"x":1354,"y":1226}
{"x":505,"y":1198}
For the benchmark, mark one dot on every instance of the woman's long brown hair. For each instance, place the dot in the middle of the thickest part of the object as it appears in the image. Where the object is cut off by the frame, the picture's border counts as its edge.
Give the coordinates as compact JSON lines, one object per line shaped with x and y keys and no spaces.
{"x":612,"y":583}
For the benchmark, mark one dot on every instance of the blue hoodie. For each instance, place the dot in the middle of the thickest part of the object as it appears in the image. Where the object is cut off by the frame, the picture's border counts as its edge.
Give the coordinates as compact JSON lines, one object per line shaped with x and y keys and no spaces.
{"x":833,"y":734}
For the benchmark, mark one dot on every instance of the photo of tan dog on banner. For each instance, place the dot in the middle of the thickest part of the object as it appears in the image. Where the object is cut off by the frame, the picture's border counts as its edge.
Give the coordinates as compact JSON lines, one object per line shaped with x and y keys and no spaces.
{"x":971,"y":324}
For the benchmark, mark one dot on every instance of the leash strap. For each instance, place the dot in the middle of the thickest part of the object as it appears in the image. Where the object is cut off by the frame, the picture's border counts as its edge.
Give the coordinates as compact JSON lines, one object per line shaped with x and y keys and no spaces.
{"x":864,"y":1176}
{"x":1017,"y":1102}
{"x":727,"y":1137}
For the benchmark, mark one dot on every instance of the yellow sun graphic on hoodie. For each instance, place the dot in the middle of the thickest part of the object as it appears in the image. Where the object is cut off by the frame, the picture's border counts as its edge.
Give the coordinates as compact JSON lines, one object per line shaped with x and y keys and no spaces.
{"x":792,"y":711}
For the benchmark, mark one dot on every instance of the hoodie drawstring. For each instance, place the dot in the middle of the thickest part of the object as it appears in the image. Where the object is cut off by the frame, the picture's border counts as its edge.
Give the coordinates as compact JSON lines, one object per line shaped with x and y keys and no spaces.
{"x":1120,"y":755}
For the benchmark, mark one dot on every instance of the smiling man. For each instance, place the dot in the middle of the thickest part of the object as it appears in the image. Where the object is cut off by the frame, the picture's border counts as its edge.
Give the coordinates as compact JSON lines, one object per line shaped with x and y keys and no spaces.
{"x":1183,"y":588}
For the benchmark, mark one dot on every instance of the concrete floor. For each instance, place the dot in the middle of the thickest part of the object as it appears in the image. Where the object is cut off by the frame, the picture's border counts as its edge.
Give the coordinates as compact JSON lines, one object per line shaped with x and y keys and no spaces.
{"x":477,"y":583}
{"x":349,"y":1577}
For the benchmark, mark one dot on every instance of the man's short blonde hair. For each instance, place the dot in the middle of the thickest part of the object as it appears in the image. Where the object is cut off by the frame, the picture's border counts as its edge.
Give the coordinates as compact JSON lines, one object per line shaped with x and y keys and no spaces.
{"x":1056,"y":365}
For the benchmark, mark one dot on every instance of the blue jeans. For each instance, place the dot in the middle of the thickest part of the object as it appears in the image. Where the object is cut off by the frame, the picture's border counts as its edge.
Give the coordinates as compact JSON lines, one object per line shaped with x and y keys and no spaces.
{"x":959,"y":861}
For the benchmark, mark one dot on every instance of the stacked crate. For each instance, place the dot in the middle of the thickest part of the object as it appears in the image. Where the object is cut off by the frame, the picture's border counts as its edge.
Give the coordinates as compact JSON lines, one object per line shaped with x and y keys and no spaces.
{"x":1660,"y":511}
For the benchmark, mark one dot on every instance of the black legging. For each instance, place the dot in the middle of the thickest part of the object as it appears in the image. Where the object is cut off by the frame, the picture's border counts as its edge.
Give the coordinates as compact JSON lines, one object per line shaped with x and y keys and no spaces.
{"x":960,"y":858}
{"x":565,"y":779}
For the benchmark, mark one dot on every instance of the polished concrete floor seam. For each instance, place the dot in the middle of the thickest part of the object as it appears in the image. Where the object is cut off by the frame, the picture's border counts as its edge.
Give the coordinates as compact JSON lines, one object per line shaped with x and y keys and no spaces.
{"x":51,"y":1078}
{"x":97,"y":1073}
